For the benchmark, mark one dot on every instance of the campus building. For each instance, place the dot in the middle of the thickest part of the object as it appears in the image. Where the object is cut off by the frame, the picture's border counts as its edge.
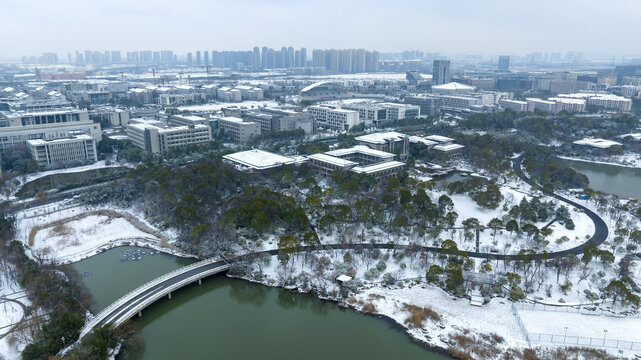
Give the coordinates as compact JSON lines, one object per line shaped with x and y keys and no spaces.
{"x":18,"y":127}
{"x":241,"y":132}
{"x":76,"y":147}
{"x":339,"y":119}
{"x":156,"y":137}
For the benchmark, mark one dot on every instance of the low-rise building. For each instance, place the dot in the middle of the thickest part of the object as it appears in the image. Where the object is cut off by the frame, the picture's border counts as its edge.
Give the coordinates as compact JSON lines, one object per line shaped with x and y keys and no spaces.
{"x":516,"y":105}
{"x":188,"y":120}
{"x":258,"y":159}
{"x":390,"y":141}
{"x":76,"y":147}
{"x":17,"y":127}
{"x":156,"y":137}
{"x":338,"y":119}
{"x":239,"y":131}
{"x":397,"y":112}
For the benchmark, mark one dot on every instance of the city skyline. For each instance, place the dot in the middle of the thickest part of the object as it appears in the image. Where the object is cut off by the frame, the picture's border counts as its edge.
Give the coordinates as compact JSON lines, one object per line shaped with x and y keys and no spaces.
{"x":452,"y":27}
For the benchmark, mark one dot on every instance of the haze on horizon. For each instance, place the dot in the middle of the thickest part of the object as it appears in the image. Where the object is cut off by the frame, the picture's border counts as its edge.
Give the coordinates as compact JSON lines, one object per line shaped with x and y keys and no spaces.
{"x":30,"y":27}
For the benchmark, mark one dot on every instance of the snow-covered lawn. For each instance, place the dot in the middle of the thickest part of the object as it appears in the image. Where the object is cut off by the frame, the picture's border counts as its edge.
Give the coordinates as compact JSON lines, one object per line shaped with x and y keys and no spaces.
{"x":67,"y":231}
{"x":83,"y":235}
{"x":457,"y":314}
{"x":10,"y":314}
{"x":554,"y":323}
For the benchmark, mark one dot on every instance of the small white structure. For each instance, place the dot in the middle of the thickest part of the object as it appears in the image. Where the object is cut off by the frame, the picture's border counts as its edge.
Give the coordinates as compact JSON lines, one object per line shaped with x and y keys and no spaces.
{"x":597,"y":143}
{"x":343,"y":278}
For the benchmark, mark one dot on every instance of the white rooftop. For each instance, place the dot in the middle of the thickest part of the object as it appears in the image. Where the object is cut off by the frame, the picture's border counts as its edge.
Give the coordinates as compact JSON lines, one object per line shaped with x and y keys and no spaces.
{"x":439,"y":138}
{"x":360,"y":149}
{"x":332,"y":160}
{"x":370,"y":169}
{"x":382,"y":137}
{"x":454,"y":86}
{"x":60,"y":140}
{"x":418,"y":139}
{"x":597,"y":143}
{"x":448,"y":147}
{"x":259,"y":159}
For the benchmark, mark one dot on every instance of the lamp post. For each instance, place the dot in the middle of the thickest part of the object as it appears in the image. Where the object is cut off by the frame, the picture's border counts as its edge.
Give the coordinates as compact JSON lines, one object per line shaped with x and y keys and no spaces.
{"x":566,"y":334}
{"x":605,"y":333}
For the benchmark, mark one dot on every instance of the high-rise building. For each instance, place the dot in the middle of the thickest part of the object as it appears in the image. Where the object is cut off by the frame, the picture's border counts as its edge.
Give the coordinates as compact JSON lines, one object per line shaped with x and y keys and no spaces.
{"x":198,"y":63}
{"x":303,"y":57}
{"x":206,"y":57}
{"x":189,"y":59}
{"x":256,"y":58}
{"x":504,"y":63}
{"x":156,"y":57}
{"x":115,"y":56}
{"x":166,"y":57}
{"x":441,"y":72}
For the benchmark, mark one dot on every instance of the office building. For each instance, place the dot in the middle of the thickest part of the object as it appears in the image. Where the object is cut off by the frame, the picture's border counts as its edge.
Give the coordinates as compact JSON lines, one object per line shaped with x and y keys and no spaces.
{"x":239,"y":131}
{"x":515,"y":105}
{"x":441,"y":72}
{"x":76,"y":147}
{"x":338,"y":119}
{"x":504,"y":63}
{"x":17,"y":127}
{"x":156,"y":137}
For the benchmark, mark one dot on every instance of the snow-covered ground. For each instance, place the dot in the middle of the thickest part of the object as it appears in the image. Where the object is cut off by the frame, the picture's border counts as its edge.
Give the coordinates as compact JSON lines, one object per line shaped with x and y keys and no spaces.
{"x":593,"y":326}
{"x":18,"y":182}
{"x":76,"y":237}
{"x":625,"y":160}
{"x":69,"y":232}
{"x":10,"y":314}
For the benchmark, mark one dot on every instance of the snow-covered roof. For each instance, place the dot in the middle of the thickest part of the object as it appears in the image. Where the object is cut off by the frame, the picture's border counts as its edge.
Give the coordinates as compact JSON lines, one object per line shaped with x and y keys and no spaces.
{"x":360,"y":149}
{"x":371,"y":169}
{"x":448,"y":147}
{"x":344,"y":278}
{"x":259,"y":159}
{"x":332,"y":160}
{"x":382,"y":137}
{"x":597,"y":143}
{"x":35,"y":142}
{"x":439,"y":138}
{"x":454,"y":86}
{"x":568,"y":100}
{"x":316,"y":84}
{"x":418,"y":139}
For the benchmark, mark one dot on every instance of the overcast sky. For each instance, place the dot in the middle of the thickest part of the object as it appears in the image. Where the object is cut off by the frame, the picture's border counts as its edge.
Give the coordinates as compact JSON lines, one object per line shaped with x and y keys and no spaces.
{"x":30,"y":27}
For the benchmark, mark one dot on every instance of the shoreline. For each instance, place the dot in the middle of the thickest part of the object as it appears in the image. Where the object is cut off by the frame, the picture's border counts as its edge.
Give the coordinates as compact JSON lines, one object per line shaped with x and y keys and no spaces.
{"x":345,"y":305}
{"x":570,"y":158}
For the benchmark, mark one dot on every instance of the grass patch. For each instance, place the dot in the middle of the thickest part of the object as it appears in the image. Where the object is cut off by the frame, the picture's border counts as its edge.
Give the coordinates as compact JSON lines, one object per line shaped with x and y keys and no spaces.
{"x":417,"y":315}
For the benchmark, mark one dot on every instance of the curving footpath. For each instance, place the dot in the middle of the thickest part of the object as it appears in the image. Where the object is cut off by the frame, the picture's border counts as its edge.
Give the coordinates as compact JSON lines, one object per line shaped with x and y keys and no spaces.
{"x":134,"y":302}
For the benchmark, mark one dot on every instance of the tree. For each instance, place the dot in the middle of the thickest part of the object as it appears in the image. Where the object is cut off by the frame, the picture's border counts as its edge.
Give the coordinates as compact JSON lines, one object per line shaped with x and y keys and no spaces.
{"x":635,"y":236}
{"x":287,"y":245}
{"x":445,"y":204}
{"x":512,"y":226}
{"x":530,"y":230}
{"x":454,"y":281}
{"x":433,"y":273}
{"x":495,"y":224}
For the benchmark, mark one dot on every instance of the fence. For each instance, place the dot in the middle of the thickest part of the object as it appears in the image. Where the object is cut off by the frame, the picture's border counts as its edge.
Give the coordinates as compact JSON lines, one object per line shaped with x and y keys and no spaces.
{"x":603,"y":342}
{"x":578,"y":309}
{"x":585,"y":341}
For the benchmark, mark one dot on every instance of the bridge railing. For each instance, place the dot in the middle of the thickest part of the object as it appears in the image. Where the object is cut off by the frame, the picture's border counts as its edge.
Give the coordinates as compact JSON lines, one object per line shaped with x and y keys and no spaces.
{"x":96,"y":319}
{"x":121,"y":318}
